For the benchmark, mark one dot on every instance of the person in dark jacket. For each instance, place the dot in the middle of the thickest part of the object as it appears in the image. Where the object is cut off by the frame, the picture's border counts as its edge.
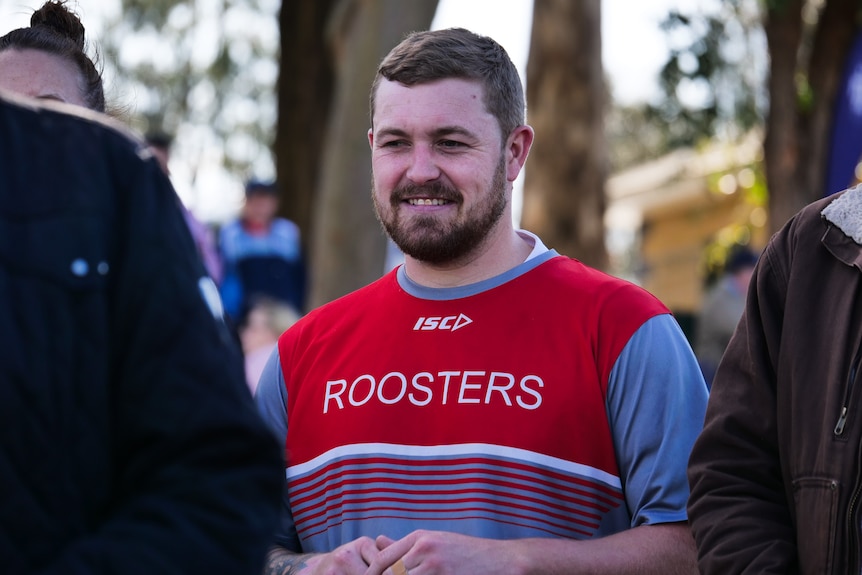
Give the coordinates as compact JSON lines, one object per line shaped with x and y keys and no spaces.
{"x":775,"y":474}
{"x":129,"y":442}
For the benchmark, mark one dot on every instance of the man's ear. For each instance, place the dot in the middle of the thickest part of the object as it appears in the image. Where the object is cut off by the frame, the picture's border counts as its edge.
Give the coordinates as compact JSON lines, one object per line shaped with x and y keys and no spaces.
{"x":518,"y":146}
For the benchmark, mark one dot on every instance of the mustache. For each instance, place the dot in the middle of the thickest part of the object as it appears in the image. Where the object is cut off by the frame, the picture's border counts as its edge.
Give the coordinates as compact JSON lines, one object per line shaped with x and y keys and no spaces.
{"x":435,"y":191}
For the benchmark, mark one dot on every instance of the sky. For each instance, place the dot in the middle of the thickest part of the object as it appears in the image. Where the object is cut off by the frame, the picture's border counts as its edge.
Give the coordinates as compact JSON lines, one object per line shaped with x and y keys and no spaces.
{"x":633,"y":49}
{"x":633,"y":46}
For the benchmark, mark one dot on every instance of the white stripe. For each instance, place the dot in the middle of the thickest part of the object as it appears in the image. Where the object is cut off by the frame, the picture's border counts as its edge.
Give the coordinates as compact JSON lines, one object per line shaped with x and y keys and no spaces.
{"x":463,"y":449}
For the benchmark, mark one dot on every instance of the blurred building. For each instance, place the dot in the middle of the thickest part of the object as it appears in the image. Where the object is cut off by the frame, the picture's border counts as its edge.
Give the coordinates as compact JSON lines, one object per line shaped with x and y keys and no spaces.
{"x":664,"y":217}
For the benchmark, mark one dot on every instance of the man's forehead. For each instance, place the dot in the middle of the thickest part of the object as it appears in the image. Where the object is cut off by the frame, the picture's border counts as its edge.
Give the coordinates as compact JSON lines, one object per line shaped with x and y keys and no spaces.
{"x":444,"y":105}
{"x":439,"y":93}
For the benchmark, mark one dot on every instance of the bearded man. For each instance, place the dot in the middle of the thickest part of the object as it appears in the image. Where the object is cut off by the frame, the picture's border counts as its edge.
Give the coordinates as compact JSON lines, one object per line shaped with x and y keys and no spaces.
{"x":489,"y":406}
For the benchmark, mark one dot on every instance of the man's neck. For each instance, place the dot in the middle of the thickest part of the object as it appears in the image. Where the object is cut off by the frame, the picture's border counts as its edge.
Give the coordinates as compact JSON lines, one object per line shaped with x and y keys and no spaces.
{"x":488,"y":260}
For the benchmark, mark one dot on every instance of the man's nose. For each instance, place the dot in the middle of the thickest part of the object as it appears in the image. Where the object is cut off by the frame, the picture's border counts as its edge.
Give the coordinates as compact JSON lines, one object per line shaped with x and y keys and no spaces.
{"x":423,"y":166}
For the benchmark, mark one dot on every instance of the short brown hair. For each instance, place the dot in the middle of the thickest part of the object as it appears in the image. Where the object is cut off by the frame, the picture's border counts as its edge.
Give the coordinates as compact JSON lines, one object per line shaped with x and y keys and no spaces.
{"x":458,"y":53}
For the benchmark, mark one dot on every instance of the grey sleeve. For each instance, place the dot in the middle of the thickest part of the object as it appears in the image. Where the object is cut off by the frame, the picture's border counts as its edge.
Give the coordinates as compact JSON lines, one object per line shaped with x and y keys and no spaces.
{"x":271,"y":398}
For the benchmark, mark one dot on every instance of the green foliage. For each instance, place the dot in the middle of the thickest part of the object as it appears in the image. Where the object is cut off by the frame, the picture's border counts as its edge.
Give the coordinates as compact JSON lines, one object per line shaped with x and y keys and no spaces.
{"x":202,"y":70}
{"x":712,"y":59}
{"x":776,"y":5}
{"x":750,"y":181}
{"x":804,"y":94}
{"x":635,"y":134}
{"x":711,"y":85}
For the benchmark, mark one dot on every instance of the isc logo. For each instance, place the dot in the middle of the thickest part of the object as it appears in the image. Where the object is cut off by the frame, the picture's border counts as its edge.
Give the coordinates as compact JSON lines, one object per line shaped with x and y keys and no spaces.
{"x":450,"y":323}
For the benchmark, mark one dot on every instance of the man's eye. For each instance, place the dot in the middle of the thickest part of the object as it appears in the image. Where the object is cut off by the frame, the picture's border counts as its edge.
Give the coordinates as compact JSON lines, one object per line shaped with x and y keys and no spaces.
{"x":393,"y":144}
{"x":450,"y":144}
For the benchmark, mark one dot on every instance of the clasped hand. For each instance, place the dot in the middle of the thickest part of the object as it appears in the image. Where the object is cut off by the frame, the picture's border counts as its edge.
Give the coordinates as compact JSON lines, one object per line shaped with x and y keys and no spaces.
{"x":421,"y":553}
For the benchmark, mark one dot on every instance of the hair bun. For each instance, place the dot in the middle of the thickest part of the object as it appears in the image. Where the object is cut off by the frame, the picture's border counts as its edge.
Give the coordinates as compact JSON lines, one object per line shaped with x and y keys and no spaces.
{"x":54,"y":15}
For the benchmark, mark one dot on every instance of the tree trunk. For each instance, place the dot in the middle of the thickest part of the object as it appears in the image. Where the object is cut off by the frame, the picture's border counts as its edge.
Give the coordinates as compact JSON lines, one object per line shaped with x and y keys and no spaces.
{"x":348,"y":244}
{"x":305,"y":84}
{"x":565,"y":176}
{"x":799,"y":125}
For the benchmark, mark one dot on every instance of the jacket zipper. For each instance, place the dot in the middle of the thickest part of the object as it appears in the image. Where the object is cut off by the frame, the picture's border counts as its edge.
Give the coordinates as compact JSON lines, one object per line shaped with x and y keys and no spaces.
{"x":842,"y":417}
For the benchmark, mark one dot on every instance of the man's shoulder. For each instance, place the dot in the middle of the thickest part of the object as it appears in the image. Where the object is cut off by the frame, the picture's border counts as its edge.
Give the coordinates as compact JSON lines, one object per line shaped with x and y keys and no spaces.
{"x":572,"y":276}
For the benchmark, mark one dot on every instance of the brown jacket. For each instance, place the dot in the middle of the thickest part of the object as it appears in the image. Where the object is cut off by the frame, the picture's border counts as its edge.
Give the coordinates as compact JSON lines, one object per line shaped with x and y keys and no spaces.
{"x":775,"y":474}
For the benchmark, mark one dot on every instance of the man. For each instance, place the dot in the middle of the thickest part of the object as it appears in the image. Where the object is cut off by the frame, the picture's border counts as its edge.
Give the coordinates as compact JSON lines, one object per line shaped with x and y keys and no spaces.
{"x":489,"y":406}
{"x":129,"y":443}
{"x":775,"y":474}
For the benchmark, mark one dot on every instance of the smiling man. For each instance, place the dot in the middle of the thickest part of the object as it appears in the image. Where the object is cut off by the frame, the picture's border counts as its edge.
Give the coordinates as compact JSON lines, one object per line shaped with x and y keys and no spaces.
{"x":490,"y":406}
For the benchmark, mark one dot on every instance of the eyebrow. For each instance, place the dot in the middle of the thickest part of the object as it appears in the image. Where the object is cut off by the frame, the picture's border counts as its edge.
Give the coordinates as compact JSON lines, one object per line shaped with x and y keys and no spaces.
{"x":437,"y":133}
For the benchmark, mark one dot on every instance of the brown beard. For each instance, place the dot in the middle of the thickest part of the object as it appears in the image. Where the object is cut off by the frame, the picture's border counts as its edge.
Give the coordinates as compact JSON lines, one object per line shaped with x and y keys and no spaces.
{"x":427,"y":239}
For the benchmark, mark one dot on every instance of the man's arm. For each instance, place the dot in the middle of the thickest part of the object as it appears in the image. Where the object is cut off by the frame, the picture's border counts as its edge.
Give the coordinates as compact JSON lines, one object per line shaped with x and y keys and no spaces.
{"x":650,"y":549}
{"x":349,"y":559}
{"x":280,"y":561}
{"x":656,"y":402}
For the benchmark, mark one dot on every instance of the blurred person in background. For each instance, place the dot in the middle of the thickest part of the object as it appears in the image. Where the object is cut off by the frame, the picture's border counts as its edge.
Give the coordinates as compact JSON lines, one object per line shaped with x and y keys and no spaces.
{"x":266,"y":319}
{"x":261,"y":254}
{"x":722,"y":307}
{"x":203,"y":236}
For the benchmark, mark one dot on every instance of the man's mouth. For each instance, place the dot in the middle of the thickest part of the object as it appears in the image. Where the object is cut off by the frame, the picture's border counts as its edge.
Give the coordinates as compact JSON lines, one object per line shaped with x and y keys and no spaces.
{"x":427,"y":201}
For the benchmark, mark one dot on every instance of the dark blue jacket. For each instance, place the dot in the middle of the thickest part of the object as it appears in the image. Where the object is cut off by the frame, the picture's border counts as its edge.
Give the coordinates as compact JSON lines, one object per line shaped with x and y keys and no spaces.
{"x":128,"y":439}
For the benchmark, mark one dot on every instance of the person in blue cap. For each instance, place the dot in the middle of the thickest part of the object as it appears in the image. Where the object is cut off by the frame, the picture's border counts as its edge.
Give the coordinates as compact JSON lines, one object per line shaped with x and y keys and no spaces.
{"x":262,"y":254}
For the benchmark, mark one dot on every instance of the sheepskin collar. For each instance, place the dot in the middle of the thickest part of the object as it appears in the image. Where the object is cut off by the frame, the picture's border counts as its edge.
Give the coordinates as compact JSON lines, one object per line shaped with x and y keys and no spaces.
{"x":845,"y":213}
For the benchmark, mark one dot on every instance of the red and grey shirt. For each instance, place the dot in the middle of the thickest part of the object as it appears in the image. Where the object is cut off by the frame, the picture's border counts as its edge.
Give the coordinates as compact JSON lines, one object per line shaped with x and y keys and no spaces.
{"x":551,"y":401}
